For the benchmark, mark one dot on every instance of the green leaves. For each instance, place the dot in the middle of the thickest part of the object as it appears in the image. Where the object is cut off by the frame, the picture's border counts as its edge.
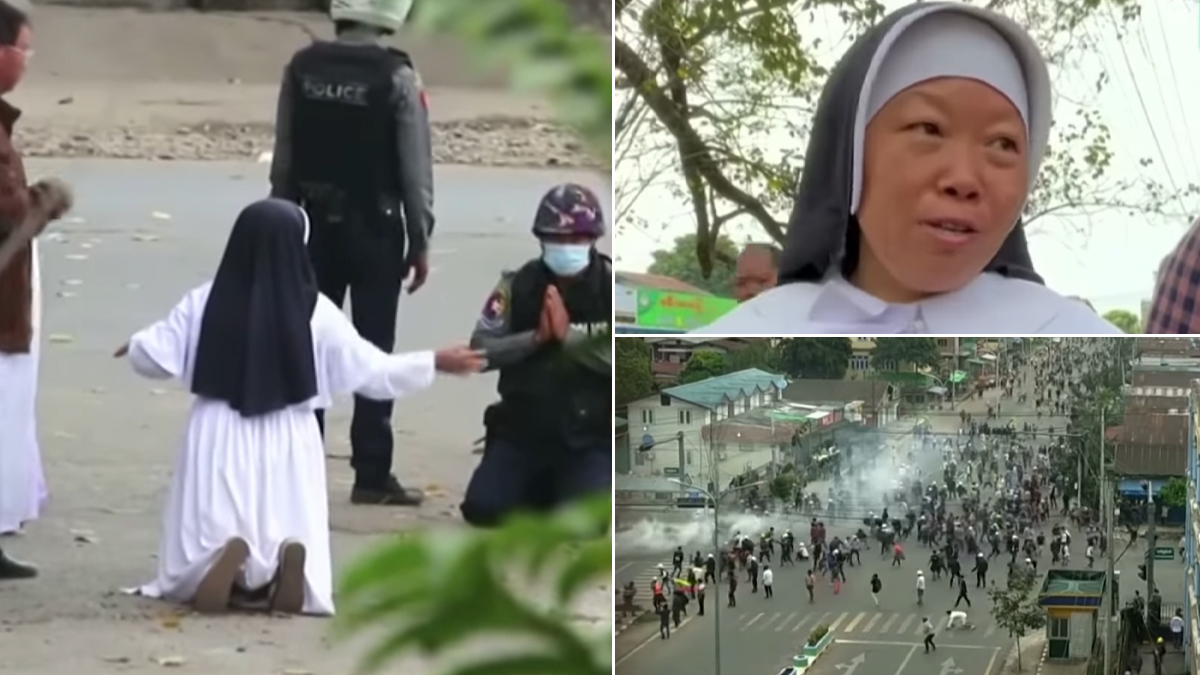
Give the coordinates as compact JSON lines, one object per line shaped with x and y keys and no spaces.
{"x":544,"y":51}
{"x":433,"y":594}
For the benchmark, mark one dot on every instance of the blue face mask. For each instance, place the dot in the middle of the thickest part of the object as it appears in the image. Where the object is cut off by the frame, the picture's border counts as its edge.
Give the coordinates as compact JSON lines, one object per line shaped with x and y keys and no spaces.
{"x":566,"y":260}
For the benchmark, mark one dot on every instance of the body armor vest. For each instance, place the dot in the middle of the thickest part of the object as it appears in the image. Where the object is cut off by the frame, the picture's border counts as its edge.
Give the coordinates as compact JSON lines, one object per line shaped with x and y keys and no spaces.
{"x":344,"y":124}
{"x":553,"y":391}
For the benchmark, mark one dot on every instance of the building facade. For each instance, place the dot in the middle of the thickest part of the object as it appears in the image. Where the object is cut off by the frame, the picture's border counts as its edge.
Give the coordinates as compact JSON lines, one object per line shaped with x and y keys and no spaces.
{"x":670,"y":422}
{"x":1191,"y":555}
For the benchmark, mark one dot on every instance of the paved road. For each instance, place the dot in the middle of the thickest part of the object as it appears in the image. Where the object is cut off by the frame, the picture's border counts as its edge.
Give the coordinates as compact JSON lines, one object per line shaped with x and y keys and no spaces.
{"x":759,"y":636}
{"x":899,"y":658}
{"x":108,"y":437}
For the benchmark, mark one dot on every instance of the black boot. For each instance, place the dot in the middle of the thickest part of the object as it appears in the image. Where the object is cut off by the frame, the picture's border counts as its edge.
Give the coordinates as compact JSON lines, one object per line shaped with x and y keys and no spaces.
{"x":391,"y":493}
{"x":13,"y":569}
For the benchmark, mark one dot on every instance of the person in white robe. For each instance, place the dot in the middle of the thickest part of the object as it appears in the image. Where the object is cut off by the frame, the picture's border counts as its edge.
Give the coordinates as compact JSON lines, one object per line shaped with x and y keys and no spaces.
{"x":23,"y":490}
{"x":246,"y":517}
{"x":922,"y":155}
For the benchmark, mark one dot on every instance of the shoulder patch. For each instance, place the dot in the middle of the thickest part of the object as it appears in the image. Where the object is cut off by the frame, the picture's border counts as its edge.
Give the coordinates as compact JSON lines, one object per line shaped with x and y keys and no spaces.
{"x":496,"y":309}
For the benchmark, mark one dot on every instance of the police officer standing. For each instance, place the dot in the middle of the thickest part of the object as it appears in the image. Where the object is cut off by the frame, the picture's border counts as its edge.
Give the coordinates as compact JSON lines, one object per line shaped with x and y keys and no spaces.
{"x":547,"y":439}
{"x":352,"y":145}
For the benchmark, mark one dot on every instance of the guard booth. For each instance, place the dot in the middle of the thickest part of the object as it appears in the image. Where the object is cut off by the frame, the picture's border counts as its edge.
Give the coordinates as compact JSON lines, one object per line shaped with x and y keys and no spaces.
{"x":1072,"y":601}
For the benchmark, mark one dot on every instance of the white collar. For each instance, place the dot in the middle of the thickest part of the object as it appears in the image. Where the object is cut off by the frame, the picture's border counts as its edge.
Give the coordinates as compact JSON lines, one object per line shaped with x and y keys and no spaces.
{"x":989,"y":305}
{"x":839,"y":302}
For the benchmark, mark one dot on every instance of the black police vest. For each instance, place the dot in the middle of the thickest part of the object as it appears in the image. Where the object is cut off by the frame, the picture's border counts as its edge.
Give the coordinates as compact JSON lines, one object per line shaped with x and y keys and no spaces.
{"x":344,"y":122}
{"x":552,"y":393}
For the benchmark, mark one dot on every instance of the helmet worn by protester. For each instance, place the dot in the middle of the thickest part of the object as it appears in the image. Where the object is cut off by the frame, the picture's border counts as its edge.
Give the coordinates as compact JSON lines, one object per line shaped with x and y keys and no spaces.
{"x":569,"y":209}
{"x":385,"y":14}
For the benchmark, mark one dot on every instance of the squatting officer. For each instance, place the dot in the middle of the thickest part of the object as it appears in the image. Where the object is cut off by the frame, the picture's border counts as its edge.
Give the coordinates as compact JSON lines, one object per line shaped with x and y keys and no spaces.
{"x":548,"y":437}
{"x":352,"y":145}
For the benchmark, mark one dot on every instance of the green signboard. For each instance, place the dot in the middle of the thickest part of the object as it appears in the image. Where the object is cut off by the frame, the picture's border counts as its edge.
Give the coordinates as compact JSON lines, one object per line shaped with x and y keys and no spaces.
{"x":679,"y":311}
{"x":1164,"y":553}
{"x":958,"y":376}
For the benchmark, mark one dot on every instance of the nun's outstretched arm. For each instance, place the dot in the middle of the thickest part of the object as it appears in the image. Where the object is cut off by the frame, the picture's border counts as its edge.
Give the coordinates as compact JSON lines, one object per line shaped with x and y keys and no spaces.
{"x":160,"y":351}
{"x":348,"y":364}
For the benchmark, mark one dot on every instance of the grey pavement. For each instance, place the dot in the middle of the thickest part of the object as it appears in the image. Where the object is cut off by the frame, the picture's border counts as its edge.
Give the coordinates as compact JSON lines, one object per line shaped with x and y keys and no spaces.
{"x":761,"y":635}
{"x":895,"y":658}
{"x":142,"y":234}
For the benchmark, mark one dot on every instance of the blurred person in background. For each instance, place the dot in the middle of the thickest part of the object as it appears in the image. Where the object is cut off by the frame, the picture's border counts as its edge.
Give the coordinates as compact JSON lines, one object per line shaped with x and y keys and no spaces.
{"x":757,"y":270}
{"x":1173,"y":309}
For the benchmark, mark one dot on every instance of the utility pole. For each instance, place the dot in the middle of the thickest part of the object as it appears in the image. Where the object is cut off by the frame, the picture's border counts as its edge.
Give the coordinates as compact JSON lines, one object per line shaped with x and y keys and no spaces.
{"x":1106,"y":502}
{"x":1151,"y":541}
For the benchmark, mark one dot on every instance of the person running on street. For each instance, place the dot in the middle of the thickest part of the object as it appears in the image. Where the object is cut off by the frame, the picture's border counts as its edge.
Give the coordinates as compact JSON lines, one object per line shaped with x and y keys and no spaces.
{"x":920,"y":588}
{"x":768,"y":582}
{"x":809,"y":583}
{"x":962,"y":593}
{"x":876,"y":586}
{"x":927,"y":629}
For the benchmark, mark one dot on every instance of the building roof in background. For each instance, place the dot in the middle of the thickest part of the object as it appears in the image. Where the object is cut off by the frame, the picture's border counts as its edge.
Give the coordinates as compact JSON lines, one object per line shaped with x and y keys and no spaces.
{"x":735,"y":432}
{"x":657,"y":282}
{"x":1156,"y":399}
{"x":1150,"y":347}
{"x":836,"y":391}
{"x":714,"y":391}
{"x":1152,"y":444}
{"x":1171,"y":375}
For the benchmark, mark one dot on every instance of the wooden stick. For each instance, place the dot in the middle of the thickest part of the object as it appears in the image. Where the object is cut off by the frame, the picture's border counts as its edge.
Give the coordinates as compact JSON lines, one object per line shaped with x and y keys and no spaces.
{"x":18,"y":238}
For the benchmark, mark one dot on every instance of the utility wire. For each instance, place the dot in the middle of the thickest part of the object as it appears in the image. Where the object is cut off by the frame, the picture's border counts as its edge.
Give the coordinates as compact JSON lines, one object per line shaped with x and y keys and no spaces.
{"x":1145,"y":110}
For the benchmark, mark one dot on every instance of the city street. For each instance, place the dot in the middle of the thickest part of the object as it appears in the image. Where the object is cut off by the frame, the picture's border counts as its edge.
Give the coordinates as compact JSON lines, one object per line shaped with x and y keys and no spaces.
{"x":760,"y":636}
{"x":893,"y":658}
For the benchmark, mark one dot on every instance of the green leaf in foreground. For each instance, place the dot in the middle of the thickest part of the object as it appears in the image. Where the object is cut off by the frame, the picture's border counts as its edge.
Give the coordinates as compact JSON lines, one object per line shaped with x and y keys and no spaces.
{"x":434,"y":593}
{"x":544,"y":51}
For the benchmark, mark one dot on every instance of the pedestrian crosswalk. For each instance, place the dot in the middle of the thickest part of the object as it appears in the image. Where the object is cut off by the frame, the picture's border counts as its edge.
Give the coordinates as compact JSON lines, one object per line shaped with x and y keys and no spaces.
{"x":853,"y":623}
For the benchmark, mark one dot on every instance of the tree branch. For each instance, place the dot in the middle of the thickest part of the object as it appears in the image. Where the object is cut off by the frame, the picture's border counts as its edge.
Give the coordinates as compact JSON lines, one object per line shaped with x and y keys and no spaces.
{"x":689,"y":142}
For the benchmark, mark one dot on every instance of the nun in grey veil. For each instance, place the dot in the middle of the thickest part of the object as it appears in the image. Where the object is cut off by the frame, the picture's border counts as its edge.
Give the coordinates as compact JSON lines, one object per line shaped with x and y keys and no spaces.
{"x":924,"y":148}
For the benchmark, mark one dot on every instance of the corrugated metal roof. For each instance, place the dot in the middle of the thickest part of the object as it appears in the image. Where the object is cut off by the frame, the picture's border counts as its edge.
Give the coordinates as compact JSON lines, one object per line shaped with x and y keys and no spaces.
{"x":837,"y":391}
{"x":658,"y":282}
{"x":1152,"y":444}
{"x":714,"y":391}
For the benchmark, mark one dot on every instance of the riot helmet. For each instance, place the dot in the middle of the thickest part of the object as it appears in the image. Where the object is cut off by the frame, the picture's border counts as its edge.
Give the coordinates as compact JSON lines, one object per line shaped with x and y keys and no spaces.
{"x":386,"y":15}
{"x":568,"y":222}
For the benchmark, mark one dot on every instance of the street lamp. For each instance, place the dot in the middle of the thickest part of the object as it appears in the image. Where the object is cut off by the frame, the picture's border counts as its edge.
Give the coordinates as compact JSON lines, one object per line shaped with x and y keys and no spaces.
{"x":716,"y":542}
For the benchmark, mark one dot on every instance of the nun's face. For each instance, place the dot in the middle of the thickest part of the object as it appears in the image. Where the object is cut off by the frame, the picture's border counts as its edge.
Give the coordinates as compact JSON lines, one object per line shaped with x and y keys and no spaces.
{"x":944,"y":179}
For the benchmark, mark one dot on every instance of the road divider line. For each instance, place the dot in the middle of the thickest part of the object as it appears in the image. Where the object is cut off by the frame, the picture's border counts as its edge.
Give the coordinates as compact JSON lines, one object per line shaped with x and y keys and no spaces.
{"x":912,"y":644}
{"x":804,"y":620}
{"x":904,"y":626}
{"x":854,"y":622}
{"x":888,"y":624}
{"x":785,"y":623}
{"x":836,"y":622}
{"x":907,"y":658}
{"x":767,"y":623}
{"x":871,"y":624}
{"x":992,"y":661}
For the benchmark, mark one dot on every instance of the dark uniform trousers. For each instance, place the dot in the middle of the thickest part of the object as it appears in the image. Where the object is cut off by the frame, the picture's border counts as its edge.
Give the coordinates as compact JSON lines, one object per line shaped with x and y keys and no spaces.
{"x":516,"y":474}
{"x":365,"y":258}
{"x":549,"y":442}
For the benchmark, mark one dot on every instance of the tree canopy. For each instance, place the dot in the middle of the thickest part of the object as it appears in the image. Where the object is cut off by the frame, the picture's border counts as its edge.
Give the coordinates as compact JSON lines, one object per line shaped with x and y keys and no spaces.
{"x":701,"y":366}
{"x":679,"y":262}
{"x":631,"y":370}
{"x":701,"y":83}
{"x":816,"y":358}
{"x":1127,"y":321}
{"x":893,"y":353}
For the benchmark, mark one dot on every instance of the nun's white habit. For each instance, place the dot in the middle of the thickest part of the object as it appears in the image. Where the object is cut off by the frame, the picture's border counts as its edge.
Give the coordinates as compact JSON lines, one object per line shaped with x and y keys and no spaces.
{"x":919,"y":42}
{"x":252,"y":462}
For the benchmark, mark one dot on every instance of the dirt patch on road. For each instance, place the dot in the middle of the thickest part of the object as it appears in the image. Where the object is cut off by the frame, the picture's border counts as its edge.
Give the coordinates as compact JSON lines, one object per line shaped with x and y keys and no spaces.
{"x":184,"y":85}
